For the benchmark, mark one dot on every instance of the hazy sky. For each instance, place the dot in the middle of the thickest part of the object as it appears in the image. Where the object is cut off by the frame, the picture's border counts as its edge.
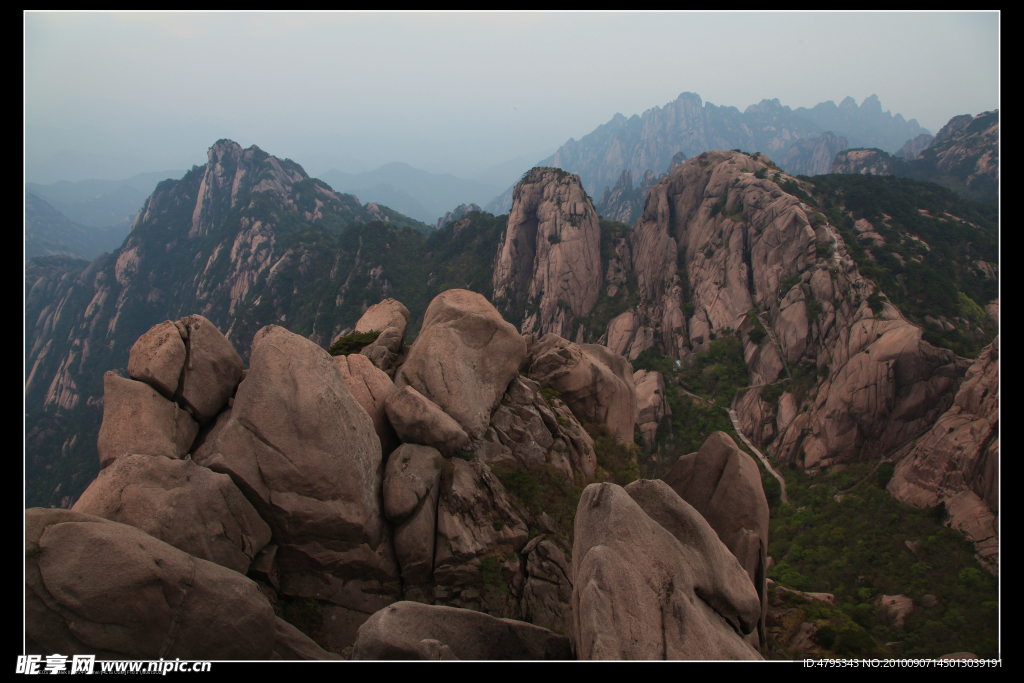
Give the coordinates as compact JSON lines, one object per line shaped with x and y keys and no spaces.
{"x":457,"y":92}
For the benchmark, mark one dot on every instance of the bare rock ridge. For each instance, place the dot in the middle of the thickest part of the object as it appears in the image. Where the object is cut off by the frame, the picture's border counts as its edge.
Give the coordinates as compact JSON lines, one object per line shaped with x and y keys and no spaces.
{"x":957,"y":461}
{"x":550,"y":261}
{"x":736,"y":238}
{"x":285,"y":495}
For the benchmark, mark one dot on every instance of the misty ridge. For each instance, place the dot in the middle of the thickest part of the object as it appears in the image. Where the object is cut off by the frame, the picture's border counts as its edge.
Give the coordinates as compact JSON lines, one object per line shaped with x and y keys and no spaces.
{"x":803,"y":142}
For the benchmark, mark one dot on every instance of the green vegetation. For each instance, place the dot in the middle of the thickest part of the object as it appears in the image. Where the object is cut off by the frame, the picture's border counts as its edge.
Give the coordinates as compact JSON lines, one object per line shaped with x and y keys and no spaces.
{"x":543,"y":489}
{"x":550,"y":395}
{"x":823,"y":545}
{"x":758,"y":334}
{"x":352,"y":343}
{"x":938,"y":279}
{"x":618,"y":460}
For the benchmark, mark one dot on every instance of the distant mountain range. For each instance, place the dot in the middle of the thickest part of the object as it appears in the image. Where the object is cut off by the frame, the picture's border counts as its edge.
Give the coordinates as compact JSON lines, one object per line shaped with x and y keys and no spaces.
{"x":48,"y":232}
{"x":418,"y":194}
{"x":649,"y":141}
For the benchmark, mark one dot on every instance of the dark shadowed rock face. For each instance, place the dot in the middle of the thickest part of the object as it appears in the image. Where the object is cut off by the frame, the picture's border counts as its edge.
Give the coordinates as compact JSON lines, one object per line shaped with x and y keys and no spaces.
{"x":96,"y":586}
{"x":639,"y":592}
{"x":396,"y":632}
{"x":724,"y":485}
{"x":190,"y":507}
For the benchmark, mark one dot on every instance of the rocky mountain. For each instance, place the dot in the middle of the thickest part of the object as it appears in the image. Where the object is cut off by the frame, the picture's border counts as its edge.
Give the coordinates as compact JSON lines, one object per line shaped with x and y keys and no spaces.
{"x":864,"y":126}
{"x":963,"y":156}
{"x":912,"y":148}
{"x":830,"y":325}
{"x":48,"y":232}
{"x":549,"y":265}
{"x":455,"y":215}
{"x":648,"y":142}
{"x":813,"y":156}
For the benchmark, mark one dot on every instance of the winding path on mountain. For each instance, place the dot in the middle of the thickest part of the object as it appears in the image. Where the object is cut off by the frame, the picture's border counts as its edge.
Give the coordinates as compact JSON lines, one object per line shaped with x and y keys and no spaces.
{"x":759,"y":454}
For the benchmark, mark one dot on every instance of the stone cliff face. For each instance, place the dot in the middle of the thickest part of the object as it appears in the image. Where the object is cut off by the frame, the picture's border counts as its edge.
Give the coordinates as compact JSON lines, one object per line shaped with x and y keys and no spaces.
{"x":913,"y":148}
{"x":957,"y":461}
{"x":873,"y":161}
{"x":814,"y":156}
{"x":716,"y":238}
{"x":550,"y":260}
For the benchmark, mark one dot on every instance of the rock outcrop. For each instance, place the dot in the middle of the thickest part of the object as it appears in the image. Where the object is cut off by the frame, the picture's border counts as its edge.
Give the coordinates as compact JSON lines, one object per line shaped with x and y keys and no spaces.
{"x":723,"y":484}
{"x":527,"y":429}
{"x":814,"y":156}
{"x":913,"y":148}
{"x":190,"y":507}
{"x":651,"y":580}
{"x":463,"y":359}
{"x":957,"y":461}
{"x":96,"y":586}
{"x":137,"y":419}
{"x":398,"y":631}
{"x":306,"y":455}
{"x":411,"y":489}
{"x":550,"y":260}
{"x":595,"y":383}
{"x":390,"y":318}
{"x":370,"y":387}
{"x":651,"y":404}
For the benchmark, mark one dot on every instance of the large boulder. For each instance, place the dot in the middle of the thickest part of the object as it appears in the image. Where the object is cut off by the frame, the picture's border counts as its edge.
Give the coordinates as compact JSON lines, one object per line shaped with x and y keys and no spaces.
{"x":190,"y":507}
{"x":417,"y":419}
{"x":464,"y":358}
{"x":644,"y":591}
{"x":370,"y":388}
{"x":411,"y":489}
{"x":397,"y":631}
{"x":137,"y":419}
{"x":96,"y":586}
{"x":292,"y":644}
{"x":212,"y":369}
{"x":158,"y":357}
{"x":724,"y":485}
{"x":306,"y":456}
{"x":595,"y":383}
{"x":390,"y":318}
